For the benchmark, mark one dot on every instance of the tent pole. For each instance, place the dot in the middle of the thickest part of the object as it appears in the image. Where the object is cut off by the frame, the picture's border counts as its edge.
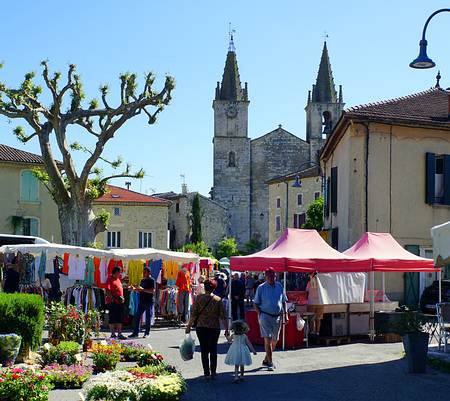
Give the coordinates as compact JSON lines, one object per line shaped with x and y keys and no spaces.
{"x":440,"y":285}
{"x":283,"y":322}
{"x":383,"y":279}
{"x":372,"y":305}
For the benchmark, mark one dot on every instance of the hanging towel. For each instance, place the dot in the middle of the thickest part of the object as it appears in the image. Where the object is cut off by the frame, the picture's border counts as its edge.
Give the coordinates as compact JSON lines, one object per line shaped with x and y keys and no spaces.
{"x":42,"y":264}
{"x":89,"y":278}
{"x":65,"y":268}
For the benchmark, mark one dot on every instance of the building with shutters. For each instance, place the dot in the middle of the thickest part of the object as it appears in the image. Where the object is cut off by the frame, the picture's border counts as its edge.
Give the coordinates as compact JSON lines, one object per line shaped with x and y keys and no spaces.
{"x":243,"y":166}
{"x":26,"y":207}
{"x":387,"y":167}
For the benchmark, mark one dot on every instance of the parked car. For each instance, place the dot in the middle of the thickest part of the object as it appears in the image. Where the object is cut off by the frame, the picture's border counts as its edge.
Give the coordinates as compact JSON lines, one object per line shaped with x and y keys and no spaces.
{"x":430,"y":296}
{"x":9,"y":239}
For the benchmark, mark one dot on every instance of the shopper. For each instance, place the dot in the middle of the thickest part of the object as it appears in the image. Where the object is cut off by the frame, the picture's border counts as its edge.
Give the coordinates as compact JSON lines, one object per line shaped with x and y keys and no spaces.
{"x":239,"y":352}
{"x":184,"y":291}
{"x":314,"y":303}
{"x":146,"y":292}
{"x":249,"y":289}
{"x":207,"y":314}
{"x":115,"y":303}
{"x":237,"y":297}
{"x":270,"y":304}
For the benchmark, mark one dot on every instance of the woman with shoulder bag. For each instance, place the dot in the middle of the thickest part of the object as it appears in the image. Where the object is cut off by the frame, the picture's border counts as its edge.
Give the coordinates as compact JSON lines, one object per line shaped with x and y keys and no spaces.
{"x":207,"y":313}
{"x":115,"y":303}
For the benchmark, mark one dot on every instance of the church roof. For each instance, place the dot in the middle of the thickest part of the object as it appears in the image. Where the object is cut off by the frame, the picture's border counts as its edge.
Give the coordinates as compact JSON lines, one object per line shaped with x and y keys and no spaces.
{"x":324,"y":90}
{"x":305,"y":173}
{"x":277,"y":131}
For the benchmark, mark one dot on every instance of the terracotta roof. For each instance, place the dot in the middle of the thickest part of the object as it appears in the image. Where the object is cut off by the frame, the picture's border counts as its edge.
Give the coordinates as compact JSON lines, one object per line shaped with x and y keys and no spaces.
{"x":13,"y":155}
{"x":122,"y":195}
{"x":429,"y":107}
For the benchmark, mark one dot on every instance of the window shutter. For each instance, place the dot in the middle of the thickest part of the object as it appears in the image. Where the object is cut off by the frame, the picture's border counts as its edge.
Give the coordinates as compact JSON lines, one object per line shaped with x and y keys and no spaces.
{"x":34,"y":227}
{"x":327,"y":197}
{"x":446,"y":179}
{"x":334,"y":187}
{"x":430,"y":178}
{"x":335,"y":238}
{"x":24,"y":186}
{"x":301,"y":220}
{"x":296,"y":220}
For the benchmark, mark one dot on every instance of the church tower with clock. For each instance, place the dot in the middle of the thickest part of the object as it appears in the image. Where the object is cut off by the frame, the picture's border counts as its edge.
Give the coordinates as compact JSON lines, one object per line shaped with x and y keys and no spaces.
{"x":232,"y":167}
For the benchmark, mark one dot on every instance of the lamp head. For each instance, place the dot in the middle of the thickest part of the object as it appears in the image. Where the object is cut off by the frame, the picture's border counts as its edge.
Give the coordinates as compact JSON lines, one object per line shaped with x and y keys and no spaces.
{"x":422,"y":61}
{"x":297,"y":183}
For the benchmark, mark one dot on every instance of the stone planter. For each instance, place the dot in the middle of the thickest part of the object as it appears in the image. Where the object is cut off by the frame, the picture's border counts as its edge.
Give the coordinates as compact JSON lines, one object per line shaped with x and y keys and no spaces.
{"x":9,"y":348}
{"x":416,"y":349}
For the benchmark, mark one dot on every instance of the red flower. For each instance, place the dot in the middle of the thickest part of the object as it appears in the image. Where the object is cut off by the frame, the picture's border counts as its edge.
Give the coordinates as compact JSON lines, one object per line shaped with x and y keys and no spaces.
{"x":15,"y":376}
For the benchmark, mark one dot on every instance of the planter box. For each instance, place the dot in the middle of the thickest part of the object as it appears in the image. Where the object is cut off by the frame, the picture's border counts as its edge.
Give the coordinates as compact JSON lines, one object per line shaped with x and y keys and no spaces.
{"x":416,"y":348}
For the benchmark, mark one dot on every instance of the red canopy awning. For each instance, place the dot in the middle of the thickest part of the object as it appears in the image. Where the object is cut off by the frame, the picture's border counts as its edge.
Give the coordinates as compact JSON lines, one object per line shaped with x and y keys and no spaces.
{"x":388,"y":255}
{"x":299,"y":251}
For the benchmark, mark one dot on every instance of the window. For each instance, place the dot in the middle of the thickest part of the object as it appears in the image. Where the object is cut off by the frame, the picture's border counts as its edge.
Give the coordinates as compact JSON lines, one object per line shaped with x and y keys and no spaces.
{"x":278,"y":203}
{"x":299,"y":220}
{"x":29,"y":187}
{"x":327,"y":122}
{"x":231,"y":159}
{"x":327,"y":196}
{"x":335,"y":238}
{"x":316,"y":195}
{"x":144,"y":239}
{"x":278,"y":223}
{"x":177,"y":207}
{"x":437,"y":179}
{"x":299,"y":199}
{"x":117,"y":211}
{"x":333,"y":190}
{"x":28,"y":226}
{"x":113,"y":239}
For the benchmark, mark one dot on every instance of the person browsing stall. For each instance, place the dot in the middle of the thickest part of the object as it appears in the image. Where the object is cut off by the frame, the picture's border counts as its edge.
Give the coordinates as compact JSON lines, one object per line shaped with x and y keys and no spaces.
{"x":270,"y":304}
{"x":115,"y":302}
{"x":146,"y":292}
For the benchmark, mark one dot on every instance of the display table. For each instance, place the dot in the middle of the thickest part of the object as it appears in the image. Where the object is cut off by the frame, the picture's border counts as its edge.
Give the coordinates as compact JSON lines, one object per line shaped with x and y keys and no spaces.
{"x":294,"y":338}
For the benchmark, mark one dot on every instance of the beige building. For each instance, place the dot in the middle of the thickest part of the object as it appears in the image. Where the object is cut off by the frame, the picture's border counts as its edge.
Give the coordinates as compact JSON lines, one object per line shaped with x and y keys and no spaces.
{"x":388,"y":170}
{"x":137,"y":220}
{"x":298,"y":200}
{"x":26,"y":207}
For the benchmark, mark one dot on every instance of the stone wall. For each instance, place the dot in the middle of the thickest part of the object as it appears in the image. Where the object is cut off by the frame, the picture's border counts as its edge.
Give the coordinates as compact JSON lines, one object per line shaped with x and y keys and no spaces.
{"x":275,"y":154}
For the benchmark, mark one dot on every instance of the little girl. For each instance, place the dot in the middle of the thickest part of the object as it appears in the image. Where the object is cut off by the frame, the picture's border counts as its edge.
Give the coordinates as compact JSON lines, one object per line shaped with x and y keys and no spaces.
{"x":239,"y":352}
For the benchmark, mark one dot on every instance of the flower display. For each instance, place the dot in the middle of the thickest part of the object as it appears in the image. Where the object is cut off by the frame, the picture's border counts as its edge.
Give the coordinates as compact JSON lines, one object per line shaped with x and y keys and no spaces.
{"x":65,"y":323}
{"x":149,"y":358}
{"x":105,"y":357}
{"x":9,"y":348}
{"x":65,"y":353}
{"x":65,"y":377}
{"x":17,"y":384}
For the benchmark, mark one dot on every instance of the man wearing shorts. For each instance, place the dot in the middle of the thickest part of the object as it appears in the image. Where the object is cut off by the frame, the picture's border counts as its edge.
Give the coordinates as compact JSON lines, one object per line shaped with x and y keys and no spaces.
{"x":314,"y":303}
{"x":270,"y":304}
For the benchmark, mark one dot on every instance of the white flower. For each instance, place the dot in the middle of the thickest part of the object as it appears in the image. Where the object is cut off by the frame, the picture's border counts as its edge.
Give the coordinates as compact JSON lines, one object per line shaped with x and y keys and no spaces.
{"x":78,"y":357}
{"x":47,"y":346}
{"x":150,"y":346}
{"x":103,"y":342}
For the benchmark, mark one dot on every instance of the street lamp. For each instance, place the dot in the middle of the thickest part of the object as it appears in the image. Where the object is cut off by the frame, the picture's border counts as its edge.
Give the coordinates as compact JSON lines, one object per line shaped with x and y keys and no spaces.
{"x":423,"y":61}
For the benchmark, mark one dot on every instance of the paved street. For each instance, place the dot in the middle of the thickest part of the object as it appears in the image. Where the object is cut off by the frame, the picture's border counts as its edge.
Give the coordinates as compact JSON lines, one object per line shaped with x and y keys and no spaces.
{"x":352,"y":372}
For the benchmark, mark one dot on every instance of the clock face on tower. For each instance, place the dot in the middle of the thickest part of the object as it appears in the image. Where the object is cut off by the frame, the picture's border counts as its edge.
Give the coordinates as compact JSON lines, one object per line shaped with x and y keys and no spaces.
{"x":232,"y":111}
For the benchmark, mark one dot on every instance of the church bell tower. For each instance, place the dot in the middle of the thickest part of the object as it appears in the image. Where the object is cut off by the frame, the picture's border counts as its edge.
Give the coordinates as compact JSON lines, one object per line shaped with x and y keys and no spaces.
{"x":231,"y":186}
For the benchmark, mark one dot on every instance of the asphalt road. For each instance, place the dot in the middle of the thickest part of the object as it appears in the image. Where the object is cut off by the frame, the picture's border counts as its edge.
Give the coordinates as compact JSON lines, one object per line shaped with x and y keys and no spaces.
{"x":354,"y":372}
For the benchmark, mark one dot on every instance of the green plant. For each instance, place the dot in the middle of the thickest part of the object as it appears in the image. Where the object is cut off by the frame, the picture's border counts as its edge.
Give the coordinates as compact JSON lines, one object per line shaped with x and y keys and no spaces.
{"x":196,"y":220}
{"x":439,"y":364}
{"x":252,"y":246}
{"x":22,"y":314}
{"x":164,"y":388}
{"x":9,"y":348}
{"x":65,"y":323}
{"x":200,"y":248}
{"x":157,"y":370}
{"x":67,"y":377}
{"x":105,"y":357}
{"x":65,"y":353}
{"x":16,"y":223}
{"x":409,"y":322}
{"x":149,"y":358}
{"x":314,"y":215}
{"x":93,"y":322}
{"x":18,"y":384}
{"x":227,"y":247}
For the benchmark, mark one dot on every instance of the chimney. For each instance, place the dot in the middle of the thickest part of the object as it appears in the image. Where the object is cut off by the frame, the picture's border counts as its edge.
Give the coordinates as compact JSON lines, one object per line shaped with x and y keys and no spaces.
{"x":184,"y":189}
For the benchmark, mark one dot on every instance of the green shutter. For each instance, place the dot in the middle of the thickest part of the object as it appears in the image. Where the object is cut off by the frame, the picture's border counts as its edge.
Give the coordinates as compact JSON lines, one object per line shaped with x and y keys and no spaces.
{"x":29,"y":187}
{"x":412,"y":282}
{"x":34,"y":227}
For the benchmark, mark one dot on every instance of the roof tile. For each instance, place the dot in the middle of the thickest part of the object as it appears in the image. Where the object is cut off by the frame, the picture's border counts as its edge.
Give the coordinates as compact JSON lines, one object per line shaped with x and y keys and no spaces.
{"x":119,"y":195}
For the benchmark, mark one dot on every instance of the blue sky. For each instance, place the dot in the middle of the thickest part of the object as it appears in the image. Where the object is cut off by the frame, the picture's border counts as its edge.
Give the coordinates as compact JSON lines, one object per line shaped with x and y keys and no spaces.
{"x":278,"y":48}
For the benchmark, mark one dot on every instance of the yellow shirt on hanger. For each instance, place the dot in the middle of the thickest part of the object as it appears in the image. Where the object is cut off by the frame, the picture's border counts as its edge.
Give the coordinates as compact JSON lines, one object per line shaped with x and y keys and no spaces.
{"x":135,"y":269}
{"x":170,"y":269}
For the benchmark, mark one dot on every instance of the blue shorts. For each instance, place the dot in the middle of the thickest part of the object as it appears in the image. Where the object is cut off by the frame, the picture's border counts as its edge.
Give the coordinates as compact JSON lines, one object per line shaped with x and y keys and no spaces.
{"x":269,"y":326}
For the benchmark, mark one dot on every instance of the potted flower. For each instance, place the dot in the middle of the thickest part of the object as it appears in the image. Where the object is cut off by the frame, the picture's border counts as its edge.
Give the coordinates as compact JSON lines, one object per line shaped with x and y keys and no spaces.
{"x":9,"y":348}
{"x":105,"y":357}
{"x":415,"y":340}
{"x":92,"y":327}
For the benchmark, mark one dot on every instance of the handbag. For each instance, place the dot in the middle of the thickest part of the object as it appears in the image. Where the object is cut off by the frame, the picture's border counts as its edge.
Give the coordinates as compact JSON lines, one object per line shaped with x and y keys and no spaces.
{"x":196,"y":319}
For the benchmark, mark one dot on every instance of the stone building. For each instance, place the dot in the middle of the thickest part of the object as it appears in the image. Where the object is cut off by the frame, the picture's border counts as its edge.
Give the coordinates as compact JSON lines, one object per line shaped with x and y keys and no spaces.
{"x":136,"y":220}
{"x":214,"y":218}
{"x":288,"y":203}
{"x":388,"y":170}
{"x":26,"y":207}
{"x":242,"y":166}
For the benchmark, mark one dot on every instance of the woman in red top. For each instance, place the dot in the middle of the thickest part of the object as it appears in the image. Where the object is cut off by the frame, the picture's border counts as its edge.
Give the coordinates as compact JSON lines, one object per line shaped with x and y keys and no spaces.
{"x":115,"y":302}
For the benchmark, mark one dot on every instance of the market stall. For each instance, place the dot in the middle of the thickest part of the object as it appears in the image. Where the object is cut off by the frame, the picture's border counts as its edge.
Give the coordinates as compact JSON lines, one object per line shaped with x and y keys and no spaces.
{"x":305,"y":251}
{"x":386,"y":255}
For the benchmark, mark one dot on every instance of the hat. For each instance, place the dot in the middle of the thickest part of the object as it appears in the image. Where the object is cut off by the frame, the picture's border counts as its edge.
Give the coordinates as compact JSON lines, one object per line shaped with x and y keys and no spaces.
{"x":269,"y":271}
{"x":146,"y":269}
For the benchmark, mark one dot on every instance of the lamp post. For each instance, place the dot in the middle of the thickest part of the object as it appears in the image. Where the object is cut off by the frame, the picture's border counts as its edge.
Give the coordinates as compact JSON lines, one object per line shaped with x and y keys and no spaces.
{"x":423,"y":61}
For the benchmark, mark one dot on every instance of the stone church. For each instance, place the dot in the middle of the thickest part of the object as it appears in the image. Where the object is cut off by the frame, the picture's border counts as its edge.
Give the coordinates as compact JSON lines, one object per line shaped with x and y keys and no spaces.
{"x":242,"y":166}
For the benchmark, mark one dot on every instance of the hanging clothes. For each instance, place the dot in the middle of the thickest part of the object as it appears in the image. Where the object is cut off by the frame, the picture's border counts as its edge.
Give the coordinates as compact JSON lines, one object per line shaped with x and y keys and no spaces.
{"x":65,"y":268}
{"x":155,"y":269}
{"x":103,"y":271}
{"x":77,"y":267}
{"x":135,"y":268}
{"x":89,"y":276}
{"x":42,"y":265}
{"x":170,"y":269}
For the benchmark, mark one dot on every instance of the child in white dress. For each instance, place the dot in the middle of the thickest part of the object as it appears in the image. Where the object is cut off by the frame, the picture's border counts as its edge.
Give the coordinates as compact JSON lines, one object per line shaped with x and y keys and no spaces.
{"x":239,"y":352}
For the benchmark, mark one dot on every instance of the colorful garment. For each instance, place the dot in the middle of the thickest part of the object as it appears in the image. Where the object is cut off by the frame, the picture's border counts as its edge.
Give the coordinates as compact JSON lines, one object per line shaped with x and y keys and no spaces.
{"x":89,"y":276}
{"x":135,"y":269}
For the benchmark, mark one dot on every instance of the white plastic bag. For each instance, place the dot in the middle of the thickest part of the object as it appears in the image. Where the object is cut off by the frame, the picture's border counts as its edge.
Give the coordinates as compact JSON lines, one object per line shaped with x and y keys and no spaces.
{"x":300,"y":323}
{"x":187,"y":348}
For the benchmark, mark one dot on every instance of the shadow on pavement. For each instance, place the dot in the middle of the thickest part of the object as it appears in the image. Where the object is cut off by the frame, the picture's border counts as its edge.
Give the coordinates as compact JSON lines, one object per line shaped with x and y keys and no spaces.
{"x":386,"y":381}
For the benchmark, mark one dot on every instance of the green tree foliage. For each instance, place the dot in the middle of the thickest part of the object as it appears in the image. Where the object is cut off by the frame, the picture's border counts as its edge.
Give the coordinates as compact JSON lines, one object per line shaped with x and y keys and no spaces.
{"x":252,"y":246}
{"x":227,"y":247}
{"x":314,"y":215}
{"x":200,"y":248}
{"x":196,"y":236}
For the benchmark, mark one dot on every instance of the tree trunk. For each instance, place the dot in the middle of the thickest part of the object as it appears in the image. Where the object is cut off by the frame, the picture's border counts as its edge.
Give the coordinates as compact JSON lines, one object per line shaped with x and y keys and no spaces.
{"x":78,"y":223}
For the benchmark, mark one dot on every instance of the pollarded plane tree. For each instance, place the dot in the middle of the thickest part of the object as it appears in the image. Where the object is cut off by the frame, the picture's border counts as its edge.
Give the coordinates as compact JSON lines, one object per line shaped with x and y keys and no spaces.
{"x":75,"y":190}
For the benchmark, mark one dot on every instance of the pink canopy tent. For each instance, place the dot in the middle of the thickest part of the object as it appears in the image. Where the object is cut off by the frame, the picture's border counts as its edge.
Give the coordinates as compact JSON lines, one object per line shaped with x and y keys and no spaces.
{"x":299,"y":250}
{"x":387,"y":255}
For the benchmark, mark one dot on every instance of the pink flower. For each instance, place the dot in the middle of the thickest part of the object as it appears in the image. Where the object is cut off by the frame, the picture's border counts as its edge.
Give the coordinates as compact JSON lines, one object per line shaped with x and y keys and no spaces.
{"x":17,"y":370}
